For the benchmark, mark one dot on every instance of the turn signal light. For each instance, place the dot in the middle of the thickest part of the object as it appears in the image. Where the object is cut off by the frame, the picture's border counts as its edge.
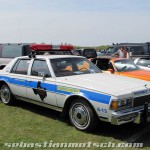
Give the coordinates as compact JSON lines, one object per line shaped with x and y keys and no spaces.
{"x":114,"y":105}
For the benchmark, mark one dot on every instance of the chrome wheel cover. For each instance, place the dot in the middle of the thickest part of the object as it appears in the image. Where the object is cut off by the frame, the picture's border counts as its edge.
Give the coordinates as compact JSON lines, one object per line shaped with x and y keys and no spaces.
{"x":79,"y":115}
{"x":5,"y":94}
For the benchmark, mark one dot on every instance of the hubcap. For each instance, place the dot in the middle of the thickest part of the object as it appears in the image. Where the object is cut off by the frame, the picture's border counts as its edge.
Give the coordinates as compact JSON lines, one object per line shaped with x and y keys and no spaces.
{"x":80,"y":116}
{"x":5,"y":94}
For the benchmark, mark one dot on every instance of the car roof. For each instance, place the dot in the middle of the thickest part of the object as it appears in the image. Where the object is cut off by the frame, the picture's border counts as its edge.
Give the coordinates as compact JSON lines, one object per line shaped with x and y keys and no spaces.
{"x":53,"y":56}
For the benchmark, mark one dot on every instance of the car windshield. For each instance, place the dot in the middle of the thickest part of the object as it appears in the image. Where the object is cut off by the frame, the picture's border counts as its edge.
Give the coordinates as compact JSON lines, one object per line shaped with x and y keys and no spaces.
{"x":73,"y":66}
{"x":144,"y":62}
{"x":125,"y":65}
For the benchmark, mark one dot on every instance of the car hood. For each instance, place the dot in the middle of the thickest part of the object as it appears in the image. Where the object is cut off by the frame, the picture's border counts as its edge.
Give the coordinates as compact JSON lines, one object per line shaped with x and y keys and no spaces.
{"x":106,"y":83}
{"x":140,"y":74}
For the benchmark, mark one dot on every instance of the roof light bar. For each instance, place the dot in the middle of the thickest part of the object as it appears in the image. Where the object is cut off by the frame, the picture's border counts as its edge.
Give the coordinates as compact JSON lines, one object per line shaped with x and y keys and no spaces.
{"x":48,"y":47}
{"x":40,"y":47}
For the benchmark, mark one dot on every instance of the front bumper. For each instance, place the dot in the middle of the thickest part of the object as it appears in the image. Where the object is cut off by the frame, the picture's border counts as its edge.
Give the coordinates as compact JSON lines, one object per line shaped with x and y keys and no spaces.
{"x":137,"y":115}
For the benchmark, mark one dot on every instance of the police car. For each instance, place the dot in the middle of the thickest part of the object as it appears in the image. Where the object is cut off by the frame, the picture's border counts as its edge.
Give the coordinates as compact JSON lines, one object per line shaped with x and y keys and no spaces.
{"x":75,"y":87}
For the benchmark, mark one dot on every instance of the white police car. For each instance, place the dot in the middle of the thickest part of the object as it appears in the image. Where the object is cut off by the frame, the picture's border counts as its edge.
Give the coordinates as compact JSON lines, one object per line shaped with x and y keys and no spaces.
{"x":75,"y":86}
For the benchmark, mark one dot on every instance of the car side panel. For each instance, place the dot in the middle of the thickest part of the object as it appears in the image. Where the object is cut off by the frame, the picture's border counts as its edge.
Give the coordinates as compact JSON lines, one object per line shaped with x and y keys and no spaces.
{"x":17,"y":83}
{"x":99,"y":101}
{"x":42,"y":90}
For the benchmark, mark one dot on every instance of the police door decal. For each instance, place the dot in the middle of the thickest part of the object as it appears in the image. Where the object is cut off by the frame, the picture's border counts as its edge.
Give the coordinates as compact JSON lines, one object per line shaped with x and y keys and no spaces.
{"x":40,"y":91}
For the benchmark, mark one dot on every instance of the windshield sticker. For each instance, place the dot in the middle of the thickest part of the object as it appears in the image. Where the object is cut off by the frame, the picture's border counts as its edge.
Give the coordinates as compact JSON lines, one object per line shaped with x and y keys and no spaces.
{"x":67,"y":89}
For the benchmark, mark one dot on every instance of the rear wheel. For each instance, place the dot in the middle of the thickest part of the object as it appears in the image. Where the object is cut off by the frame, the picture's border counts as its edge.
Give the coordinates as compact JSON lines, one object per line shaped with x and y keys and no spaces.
{"x":82,"y":116}
{"x":6,"y":95}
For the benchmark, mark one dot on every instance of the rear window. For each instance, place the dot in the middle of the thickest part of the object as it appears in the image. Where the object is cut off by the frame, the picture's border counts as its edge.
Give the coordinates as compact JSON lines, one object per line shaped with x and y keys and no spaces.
{"x":21,"y":66}
{"x":10,"y":51}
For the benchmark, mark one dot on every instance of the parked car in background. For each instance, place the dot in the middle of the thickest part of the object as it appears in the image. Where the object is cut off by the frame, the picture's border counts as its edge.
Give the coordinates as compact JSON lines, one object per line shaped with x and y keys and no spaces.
{"x":121,"y":66}
{"x":87,"y":52}
{"x":12,"y":50}
{"x":143,"y":63}
{"x":77,"y":88}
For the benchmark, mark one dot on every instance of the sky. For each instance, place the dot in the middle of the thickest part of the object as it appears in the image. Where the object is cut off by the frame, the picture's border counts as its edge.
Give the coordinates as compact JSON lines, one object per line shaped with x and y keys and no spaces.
{"x":77,"y":22}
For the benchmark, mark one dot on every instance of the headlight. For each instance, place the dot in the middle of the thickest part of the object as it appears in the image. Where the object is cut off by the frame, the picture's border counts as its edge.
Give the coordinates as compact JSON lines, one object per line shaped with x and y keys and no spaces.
{"x":121,"y":104}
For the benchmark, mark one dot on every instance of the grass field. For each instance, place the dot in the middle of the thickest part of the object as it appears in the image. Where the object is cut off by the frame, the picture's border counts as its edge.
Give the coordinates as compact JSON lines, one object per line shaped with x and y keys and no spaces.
{"x":29,"y":123}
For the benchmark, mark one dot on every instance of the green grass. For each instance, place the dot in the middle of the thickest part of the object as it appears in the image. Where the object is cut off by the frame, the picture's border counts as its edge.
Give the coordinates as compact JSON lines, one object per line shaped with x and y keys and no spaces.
{"x":29,"y":123}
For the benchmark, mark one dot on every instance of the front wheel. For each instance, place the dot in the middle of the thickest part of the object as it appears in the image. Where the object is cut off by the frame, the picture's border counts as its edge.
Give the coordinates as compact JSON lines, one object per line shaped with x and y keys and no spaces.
{"x":82,"y":116}
{"x":6,"y":95}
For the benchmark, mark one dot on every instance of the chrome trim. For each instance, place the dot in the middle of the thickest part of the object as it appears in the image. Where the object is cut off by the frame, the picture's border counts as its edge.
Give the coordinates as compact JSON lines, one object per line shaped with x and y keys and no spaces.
{"x":39,"y":103}
{"x":130,"y":116}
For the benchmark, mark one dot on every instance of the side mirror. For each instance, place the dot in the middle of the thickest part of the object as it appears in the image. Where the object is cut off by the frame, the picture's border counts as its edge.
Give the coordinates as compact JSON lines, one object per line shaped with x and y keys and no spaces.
{"x":111,"y":70}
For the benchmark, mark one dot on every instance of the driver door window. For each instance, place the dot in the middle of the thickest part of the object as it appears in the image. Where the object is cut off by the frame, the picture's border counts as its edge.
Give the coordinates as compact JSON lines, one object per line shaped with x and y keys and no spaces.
{"x":41,"y":89}
{"x":40,"y":68}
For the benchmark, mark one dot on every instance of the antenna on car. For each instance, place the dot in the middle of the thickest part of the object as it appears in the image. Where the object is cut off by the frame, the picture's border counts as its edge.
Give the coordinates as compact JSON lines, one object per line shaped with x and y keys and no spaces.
{"x":32,"y":54}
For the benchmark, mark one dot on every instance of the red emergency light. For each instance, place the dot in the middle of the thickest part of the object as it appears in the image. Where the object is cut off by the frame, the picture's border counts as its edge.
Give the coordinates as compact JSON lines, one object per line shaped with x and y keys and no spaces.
{"x":41,"y":47}
{"x":66,"y":47}
{"x":48,"y":47}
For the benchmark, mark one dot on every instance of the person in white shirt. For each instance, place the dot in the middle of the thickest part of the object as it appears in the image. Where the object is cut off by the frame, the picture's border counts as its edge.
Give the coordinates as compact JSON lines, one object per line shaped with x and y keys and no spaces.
{"x":122,"y":53}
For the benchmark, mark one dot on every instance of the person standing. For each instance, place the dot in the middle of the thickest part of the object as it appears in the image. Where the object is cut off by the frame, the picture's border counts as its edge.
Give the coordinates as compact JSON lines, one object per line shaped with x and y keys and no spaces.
{"x":122,"y":53}
{"x":128,"y":53}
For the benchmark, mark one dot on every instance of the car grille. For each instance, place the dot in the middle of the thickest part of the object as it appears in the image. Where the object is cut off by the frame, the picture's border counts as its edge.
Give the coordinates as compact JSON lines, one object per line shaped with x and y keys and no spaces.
{"x":139,"y":101}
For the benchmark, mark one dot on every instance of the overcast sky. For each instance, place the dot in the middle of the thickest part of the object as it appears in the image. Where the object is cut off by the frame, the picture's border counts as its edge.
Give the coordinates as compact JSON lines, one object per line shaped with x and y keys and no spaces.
{"x":78,"y":22}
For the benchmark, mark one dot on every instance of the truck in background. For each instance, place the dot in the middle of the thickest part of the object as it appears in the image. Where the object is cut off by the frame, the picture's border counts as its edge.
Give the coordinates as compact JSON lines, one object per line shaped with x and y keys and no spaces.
{"x":11,"y":50}
{"x":136,"y":49}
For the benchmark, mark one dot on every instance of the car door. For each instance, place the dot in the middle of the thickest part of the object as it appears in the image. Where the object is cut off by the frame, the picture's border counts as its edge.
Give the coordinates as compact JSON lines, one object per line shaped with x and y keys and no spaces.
{"x":18,"y":77}
{"x":41,"y":85}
